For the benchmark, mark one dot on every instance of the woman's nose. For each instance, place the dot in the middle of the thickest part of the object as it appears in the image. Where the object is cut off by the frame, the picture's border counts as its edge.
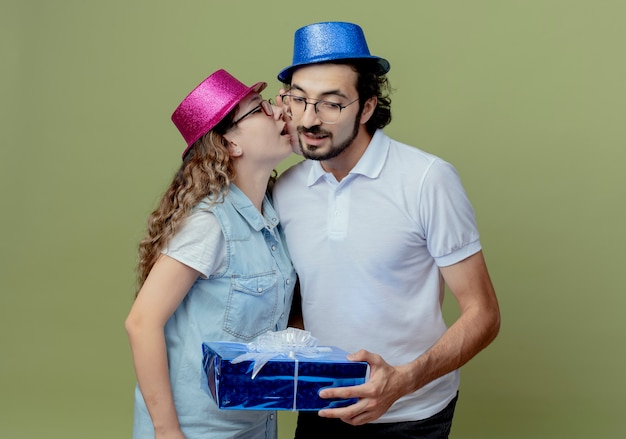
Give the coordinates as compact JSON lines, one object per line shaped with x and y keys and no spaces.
{"x":277,"y":112}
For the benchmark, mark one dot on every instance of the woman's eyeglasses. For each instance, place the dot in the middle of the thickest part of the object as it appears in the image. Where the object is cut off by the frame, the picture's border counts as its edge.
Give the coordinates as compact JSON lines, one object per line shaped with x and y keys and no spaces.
{"x":265,"y":106}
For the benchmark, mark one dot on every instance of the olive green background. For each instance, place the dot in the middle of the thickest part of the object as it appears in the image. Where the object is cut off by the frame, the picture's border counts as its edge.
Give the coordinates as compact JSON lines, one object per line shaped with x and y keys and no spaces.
{"x":526,"y":98}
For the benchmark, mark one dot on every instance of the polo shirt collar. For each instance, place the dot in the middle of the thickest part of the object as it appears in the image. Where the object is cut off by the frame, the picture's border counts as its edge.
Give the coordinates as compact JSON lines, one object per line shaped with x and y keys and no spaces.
{"x":369,"y":165}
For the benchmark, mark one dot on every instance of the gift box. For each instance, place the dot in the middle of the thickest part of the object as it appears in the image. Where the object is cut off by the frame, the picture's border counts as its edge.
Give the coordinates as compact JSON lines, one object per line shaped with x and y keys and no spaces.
{"x":240,"y":378}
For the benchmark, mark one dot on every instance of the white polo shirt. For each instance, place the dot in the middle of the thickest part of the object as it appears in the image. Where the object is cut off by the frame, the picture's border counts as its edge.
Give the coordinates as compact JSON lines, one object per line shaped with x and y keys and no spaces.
{"x":367,"y":250}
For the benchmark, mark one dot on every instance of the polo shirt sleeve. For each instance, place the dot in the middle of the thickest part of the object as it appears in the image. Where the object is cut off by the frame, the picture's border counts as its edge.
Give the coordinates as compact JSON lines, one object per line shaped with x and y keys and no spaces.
{"x":199,"y":244}
{"x":448,"y":216}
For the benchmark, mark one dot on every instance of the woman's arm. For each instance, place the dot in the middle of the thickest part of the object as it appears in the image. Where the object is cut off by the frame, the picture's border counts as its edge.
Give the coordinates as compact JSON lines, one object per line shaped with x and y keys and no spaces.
{"x":162,"y":292}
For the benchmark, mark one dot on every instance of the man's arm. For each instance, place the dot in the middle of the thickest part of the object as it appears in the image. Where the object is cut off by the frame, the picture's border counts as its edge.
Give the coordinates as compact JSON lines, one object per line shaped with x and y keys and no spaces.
{"x":476,"y":327}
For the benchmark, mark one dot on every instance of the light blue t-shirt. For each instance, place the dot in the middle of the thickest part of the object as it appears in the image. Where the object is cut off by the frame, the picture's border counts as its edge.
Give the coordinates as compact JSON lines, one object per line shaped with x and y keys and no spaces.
{"x":245,"y":290}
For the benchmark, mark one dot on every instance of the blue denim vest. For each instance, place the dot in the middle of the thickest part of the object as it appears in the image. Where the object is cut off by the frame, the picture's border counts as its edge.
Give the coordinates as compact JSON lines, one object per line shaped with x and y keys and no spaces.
{"x":251,"y":296}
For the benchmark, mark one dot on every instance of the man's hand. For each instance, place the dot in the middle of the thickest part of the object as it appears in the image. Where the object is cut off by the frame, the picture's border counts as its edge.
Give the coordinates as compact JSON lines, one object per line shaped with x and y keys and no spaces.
{"x":386,"y":384}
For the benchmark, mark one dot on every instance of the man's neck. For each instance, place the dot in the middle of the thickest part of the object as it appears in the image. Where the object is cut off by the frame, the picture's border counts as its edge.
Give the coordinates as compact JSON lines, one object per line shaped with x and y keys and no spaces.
{"x":341,"y":165}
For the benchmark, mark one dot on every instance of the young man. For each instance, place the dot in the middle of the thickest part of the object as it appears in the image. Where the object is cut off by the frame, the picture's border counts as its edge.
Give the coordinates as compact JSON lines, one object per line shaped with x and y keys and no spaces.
{"x":375,"y":229}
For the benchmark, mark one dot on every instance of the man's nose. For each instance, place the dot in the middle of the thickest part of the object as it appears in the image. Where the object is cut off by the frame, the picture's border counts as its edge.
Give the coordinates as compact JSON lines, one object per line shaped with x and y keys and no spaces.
{"x":310,"y":117}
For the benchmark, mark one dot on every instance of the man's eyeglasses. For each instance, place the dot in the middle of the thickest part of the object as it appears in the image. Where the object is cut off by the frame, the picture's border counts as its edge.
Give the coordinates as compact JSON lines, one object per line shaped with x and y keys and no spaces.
{"x":265,"y":106}
{"x":327,"y":112}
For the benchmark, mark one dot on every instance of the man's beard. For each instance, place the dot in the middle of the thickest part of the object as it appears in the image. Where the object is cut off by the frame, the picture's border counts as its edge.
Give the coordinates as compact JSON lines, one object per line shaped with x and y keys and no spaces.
{"x":312,"y":153}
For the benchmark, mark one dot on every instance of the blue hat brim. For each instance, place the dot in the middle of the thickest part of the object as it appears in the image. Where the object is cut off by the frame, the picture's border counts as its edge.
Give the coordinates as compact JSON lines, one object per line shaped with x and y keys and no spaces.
{"x":285,"y":74}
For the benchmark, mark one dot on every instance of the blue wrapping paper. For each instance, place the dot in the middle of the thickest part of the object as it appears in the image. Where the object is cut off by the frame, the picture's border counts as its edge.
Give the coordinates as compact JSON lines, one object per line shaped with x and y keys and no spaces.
{"x":285,"y":382}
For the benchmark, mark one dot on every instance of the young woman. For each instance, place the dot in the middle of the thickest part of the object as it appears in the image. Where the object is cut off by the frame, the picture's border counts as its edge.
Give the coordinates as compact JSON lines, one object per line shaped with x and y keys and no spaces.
{"x":213,"y":265}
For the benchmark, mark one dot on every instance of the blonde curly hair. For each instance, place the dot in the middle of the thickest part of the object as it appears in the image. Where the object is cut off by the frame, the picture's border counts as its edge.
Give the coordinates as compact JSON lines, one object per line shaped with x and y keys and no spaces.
{"x":207,"y":171}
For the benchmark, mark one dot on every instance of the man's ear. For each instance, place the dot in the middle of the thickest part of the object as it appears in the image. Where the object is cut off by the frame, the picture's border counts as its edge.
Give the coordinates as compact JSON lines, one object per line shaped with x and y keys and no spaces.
{"x":368,"y":109}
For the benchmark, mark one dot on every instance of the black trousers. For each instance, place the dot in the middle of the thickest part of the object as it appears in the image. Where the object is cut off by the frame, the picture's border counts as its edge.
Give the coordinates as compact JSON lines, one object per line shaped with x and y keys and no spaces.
{"x":311,"y":426}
